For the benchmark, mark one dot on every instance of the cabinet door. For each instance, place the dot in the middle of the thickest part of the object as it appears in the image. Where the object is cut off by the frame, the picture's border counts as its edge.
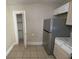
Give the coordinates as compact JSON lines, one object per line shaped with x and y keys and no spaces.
{"x":60,"y":53}
{"x":69,"y":17}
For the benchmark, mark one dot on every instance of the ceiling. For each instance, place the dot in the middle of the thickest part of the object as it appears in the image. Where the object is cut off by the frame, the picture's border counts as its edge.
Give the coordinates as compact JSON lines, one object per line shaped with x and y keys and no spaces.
{"x":24,"y":2}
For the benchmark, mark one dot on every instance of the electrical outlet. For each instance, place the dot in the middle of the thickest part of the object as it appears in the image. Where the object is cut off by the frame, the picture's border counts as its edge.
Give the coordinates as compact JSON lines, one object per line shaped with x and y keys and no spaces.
{"x":32,"y":34}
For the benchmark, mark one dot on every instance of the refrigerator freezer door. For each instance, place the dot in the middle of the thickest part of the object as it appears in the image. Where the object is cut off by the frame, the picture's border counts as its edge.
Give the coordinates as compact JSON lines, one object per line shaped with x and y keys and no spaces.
{"x":48,"y":25}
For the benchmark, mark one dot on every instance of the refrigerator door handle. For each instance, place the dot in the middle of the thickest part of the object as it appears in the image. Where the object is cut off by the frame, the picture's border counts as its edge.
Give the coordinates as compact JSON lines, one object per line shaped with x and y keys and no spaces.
{"x":46,"y":31}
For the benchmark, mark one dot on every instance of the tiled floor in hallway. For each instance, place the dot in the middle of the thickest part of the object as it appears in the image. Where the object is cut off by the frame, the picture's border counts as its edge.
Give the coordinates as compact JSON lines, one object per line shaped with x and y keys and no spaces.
{"x":31,"y":52}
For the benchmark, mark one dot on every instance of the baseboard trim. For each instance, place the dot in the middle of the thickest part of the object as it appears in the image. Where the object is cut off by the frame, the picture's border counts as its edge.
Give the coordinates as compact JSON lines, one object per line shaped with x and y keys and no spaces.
{"x":34,"y":43}
{"x":11,"y":47}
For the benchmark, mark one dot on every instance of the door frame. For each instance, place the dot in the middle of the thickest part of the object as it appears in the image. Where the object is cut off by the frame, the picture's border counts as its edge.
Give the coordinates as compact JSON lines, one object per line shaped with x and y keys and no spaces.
{"x":16,"y":28}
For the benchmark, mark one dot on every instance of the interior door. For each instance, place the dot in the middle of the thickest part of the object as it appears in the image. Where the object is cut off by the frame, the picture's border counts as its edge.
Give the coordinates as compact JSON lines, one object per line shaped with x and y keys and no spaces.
{"x":24,"y":30}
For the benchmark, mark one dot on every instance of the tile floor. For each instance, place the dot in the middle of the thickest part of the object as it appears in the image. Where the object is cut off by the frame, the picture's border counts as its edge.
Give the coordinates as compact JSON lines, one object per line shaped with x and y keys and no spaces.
{"x":31,"y":52}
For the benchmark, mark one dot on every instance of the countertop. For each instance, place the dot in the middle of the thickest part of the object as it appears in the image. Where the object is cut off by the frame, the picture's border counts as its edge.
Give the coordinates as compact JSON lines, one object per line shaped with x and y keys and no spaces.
{"x":65,"y":43}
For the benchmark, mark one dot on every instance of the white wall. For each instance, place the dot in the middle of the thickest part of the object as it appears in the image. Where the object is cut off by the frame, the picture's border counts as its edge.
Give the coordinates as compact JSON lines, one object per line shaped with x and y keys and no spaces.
{"x":35,"y":14}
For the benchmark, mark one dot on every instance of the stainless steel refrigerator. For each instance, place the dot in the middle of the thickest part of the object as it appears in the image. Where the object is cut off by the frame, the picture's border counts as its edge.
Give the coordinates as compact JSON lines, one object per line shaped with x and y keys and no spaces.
{"x":55,"y":27}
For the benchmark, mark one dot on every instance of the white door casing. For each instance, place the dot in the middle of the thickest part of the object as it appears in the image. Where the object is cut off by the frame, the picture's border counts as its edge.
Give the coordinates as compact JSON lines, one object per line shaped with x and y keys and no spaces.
{"x":24,"y":26}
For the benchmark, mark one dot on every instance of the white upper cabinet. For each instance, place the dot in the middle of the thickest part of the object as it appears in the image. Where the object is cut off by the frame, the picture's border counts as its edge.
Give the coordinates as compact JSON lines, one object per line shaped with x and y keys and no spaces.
{"x":62,"y":9}
{"x":69,"y":17}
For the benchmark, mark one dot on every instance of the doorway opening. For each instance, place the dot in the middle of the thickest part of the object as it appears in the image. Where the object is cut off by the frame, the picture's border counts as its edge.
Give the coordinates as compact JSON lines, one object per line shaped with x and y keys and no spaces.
{"x":20,"y":27}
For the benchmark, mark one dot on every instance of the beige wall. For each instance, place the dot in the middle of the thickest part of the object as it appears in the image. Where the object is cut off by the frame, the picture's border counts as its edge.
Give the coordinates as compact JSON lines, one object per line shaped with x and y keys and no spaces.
{"x":35,"y":14}
{"x":10,"y":37}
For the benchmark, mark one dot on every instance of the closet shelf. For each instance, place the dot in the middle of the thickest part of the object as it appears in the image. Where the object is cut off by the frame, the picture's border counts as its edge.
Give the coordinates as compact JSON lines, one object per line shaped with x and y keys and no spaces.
{"x":20,"y":30}
{"x":19,"y":22}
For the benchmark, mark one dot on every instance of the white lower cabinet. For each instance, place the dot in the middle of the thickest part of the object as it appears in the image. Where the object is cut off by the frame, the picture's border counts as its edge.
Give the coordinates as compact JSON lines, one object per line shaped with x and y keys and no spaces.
{"x":60,"y":53}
